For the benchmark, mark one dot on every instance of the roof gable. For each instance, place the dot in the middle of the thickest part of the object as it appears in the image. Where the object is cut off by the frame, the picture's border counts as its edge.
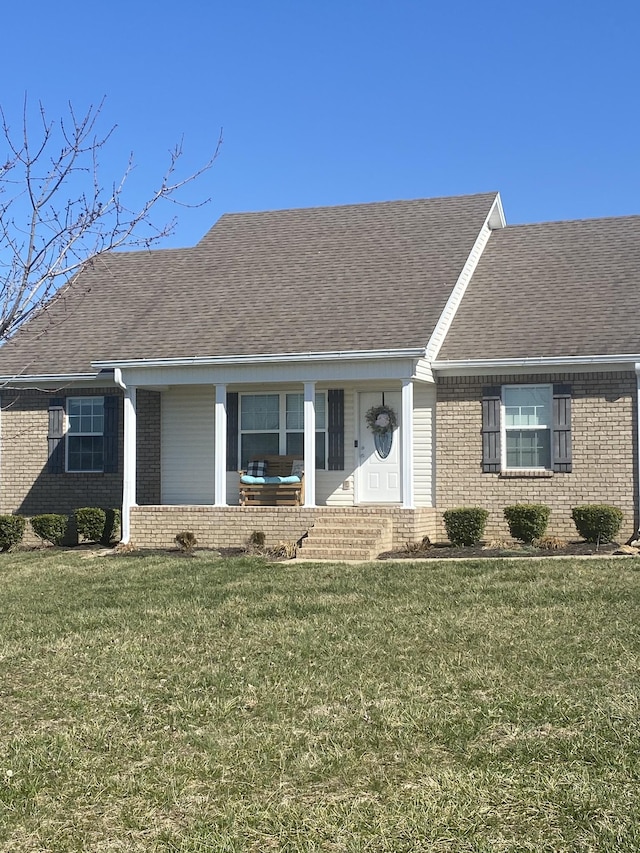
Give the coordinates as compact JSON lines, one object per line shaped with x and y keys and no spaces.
{"x":556,"y":289}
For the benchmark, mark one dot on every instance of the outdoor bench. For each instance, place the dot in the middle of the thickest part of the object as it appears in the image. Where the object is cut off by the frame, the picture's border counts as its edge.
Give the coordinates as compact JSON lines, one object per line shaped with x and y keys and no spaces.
{"x":274,"y":484}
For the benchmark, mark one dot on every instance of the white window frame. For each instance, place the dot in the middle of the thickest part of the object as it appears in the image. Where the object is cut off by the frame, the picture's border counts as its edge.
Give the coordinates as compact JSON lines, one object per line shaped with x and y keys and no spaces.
{"x":504,"y":429}
{"x":69,"y":435}
{"x":282,"y":422}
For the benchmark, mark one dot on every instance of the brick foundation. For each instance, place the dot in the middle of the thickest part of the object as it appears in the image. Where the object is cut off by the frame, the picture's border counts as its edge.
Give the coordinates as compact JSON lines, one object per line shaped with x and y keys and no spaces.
{"x":230,"y":527}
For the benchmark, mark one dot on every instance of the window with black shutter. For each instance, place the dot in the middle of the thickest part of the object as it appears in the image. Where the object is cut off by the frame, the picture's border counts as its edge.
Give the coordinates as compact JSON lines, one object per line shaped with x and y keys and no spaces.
{"x":526,"y":428}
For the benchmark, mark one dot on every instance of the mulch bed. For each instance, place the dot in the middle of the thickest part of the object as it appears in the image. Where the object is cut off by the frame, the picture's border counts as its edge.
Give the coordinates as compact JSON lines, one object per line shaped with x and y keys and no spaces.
{"x":474,"y":552}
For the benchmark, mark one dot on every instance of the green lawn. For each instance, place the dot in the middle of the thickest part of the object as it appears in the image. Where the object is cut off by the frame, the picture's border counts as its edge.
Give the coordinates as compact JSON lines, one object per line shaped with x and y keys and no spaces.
{"x":171,"y":704}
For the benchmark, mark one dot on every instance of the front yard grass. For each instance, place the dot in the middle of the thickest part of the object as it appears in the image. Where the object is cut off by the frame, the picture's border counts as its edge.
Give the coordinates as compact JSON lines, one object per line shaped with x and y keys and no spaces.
{"x":184,"y":705}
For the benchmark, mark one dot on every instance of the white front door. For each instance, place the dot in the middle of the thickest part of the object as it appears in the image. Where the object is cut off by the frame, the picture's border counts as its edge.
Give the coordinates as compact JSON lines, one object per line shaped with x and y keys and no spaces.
{"x":378,"y":475}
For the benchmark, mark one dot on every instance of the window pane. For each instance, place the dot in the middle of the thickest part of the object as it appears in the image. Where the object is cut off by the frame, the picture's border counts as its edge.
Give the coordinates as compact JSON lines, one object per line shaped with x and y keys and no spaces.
{"x":295,"y":410}
{"x":86,"y":415}
{"x":260,"y":411}
{"x":527,"y":406}
{"x":321,"y":415}
{"x":528,"y":448}
{"x":255,"y":445}
{"x":85,"y":453}
{"x":295,"y":444}
{"x":295,"y":447}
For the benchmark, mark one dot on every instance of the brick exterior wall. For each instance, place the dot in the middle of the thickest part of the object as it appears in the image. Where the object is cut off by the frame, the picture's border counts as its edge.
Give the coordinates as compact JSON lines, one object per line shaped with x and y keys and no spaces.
{"x":603,"y":445}
{"x":230,"y":527}
{"x":148,"y":447}
{"x":28,"y":488}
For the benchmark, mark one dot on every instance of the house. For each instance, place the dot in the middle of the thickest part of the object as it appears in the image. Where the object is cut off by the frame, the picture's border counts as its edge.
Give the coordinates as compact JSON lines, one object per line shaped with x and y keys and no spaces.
{"x":507,"y":358}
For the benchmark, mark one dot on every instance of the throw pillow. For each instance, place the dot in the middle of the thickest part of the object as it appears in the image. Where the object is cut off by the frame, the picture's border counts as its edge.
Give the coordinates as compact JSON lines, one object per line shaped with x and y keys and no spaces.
{"x":257,"y":468}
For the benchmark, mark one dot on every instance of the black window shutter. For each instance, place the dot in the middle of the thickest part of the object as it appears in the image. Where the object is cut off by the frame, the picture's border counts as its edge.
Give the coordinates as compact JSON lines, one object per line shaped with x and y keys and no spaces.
{"x":335,"y":423}
{"x":561,"y":428}
{"x":232,"y":431}
{"x":55,"y":436}
{"x":491,"y":430}
{"x":110,"y":434}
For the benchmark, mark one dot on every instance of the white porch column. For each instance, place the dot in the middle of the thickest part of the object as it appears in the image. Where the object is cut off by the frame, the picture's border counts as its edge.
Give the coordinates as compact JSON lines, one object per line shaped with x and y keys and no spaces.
{"x":220,"y":451}
{"x":309,"y":443}
{"x":129,"y":472}
{"x":407,"y":445}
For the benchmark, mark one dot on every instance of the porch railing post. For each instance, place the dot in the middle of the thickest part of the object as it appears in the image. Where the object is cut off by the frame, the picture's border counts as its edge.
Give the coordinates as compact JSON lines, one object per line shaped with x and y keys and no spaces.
{"x":407,"y":445}
{"x":309,"y":443}
{"x":220,"y":446}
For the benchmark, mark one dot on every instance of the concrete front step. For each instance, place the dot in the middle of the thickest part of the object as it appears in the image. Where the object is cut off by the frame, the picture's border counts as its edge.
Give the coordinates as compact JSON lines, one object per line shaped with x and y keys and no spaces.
{"x":334,"y":540}
{"x":333,"y":530}
{"x":351,"y":521}
{"x":346,"y":539}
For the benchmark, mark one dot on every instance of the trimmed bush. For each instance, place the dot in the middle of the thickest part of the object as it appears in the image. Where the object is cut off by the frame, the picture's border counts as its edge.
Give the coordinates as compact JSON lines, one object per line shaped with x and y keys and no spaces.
{"x":597,"y":522}
{"x":527,"y":521}
{"x":11,"y":531}
{"x":465,"y":525}
{"x":90,"y":523}
{"x":50,"y":527}
{"x":111,"y":532}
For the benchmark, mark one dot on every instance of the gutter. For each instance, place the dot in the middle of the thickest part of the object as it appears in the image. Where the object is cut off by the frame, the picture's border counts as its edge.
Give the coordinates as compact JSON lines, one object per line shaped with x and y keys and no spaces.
{"x":53,"y":378}
{"x":129,"y":456}
{"x":543,"y":361}
{"x":207,"y":361}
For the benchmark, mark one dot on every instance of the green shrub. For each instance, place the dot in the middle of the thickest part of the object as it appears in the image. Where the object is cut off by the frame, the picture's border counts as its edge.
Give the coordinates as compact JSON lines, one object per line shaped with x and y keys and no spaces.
{"x":527,"y":521}
{"x":597,"y":522}
{"x":11,"y":531}
{"x":51,"y":527}
{"x":111,"y":532}
{"x":465,"y":525}
{"x":90,"y":523}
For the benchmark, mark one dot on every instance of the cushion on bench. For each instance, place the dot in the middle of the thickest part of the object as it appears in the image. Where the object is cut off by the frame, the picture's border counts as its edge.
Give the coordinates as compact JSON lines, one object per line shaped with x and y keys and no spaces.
{"x":257,"y":481}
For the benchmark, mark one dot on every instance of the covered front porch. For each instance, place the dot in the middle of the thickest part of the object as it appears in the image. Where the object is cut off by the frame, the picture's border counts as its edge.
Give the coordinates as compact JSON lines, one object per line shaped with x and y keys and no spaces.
{"x":210,"y":419}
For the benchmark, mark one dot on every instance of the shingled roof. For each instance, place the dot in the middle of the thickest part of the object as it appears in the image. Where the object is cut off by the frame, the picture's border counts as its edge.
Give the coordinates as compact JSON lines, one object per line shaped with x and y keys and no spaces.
{"x":334,"y":279}
{"x":556,"y":289}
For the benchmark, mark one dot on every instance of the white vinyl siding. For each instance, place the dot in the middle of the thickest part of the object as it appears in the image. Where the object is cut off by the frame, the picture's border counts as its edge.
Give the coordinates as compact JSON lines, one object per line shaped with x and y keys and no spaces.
{"x":188,"y":445}
{"x":424,"y":403}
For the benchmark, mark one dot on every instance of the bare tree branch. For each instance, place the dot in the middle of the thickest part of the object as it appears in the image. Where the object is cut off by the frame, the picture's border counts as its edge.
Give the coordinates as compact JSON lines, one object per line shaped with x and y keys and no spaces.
{"x":56,"y":215}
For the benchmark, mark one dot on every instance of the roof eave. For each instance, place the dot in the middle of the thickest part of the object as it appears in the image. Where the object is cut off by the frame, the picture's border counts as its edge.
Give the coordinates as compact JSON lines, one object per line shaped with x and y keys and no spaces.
{"x":265,"y":358}
{"x":576,"y":362}
{"x":55,"y":379}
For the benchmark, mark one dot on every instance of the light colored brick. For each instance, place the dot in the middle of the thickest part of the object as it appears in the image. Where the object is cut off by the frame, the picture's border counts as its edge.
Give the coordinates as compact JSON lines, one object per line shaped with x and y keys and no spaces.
{"x":603,"y":448}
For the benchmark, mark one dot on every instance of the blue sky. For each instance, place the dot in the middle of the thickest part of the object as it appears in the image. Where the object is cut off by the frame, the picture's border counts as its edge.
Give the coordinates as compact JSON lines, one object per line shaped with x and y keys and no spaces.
{"x":343,"y":102}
